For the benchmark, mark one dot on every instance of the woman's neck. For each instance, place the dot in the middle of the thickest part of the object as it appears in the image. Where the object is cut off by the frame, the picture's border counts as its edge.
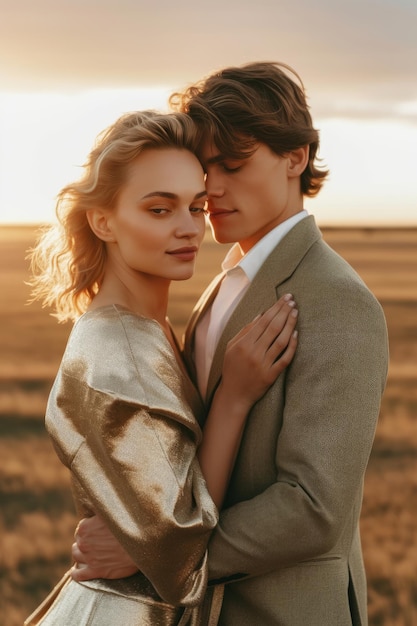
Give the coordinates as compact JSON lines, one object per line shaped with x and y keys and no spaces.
{"x":142,"y":294}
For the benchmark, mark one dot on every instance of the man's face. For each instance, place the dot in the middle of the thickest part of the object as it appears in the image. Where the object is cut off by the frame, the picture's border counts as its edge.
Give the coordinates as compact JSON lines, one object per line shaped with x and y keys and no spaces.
{"x":248,"y":198}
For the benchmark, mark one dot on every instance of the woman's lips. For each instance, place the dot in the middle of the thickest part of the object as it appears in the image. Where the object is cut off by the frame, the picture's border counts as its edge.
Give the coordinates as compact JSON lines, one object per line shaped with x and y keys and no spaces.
{"x":185,"y":254}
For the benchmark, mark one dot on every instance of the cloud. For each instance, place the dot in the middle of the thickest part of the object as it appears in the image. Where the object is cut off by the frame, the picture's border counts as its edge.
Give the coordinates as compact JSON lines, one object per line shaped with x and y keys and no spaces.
{"x":356,"y":58}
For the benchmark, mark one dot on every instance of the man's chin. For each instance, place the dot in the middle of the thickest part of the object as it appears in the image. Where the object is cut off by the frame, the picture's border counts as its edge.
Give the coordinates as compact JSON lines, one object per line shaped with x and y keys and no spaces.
{"x":220,"y":237}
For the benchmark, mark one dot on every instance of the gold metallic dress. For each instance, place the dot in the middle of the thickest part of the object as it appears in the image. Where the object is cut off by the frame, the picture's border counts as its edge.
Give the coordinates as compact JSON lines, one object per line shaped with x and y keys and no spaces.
{"x":123,"y":418}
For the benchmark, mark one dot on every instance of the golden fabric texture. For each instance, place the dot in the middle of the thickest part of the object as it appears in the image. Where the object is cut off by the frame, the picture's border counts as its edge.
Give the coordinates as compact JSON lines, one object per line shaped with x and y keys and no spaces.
{"x":86,"y":604}
{"x":123,"y":417}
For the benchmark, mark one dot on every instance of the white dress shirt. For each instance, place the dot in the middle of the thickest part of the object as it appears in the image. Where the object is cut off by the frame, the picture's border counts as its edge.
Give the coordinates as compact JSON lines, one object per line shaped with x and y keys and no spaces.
{"x":239,"y":270}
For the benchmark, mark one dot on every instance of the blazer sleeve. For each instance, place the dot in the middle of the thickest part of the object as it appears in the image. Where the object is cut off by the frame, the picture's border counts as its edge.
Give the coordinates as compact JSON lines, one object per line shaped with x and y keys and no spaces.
{"x":326,"y":408}
{"x":130,"y":440}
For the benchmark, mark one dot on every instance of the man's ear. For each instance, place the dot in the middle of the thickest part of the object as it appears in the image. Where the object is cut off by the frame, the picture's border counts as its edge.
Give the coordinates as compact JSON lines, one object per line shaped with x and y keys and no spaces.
{"x":297,"y":161}
{"x":99,"y":224}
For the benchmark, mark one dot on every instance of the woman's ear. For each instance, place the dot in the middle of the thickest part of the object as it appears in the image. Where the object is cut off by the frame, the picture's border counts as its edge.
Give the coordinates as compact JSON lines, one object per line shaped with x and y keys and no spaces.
{"x":298,"y":161}
{"x":99,"y":224}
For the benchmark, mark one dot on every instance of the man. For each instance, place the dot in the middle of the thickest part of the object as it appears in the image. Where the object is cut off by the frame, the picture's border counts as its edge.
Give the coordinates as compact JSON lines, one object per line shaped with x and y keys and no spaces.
{"x":287,"y":545}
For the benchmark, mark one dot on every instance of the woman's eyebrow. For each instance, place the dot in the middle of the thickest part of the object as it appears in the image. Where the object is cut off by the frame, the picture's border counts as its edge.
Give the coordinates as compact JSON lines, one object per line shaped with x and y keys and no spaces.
{"x":170,"y":195}
{"x":163,"y":194}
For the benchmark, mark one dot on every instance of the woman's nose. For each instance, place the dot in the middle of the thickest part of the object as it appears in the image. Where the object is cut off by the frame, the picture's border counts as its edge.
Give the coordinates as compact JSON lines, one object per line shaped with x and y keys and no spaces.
{"x":189,"y":225}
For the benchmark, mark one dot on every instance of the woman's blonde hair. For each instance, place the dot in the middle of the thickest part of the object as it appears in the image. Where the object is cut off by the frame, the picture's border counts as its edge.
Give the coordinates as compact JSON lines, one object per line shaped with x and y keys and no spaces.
{"x":68,"y":261}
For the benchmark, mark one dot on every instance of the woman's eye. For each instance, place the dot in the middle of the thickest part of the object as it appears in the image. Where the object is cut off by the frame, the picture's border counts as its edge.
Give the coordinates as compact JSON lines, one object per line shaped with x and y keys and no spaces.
{"x":159,"y":210}
{"x":198,"y":209}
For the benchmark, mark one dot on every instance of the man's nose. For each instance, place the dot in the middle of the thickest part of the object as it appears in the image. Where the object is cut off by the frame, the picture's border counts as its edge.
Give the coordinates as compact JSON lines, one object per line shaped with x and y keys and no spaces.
{"x":214,"y":185}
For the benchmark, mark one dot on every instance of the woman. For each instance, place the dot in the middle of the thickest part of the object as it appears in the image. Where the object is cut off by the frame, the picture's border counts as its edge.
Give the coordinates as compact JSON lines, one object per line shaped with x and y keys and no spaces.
{"x":123,"y":414}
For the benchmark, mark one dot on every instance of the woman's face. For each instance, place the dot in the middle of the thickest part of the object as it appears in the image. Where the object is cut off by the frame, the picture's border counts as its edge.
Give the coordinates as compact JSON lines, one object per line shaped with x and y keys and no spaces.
{"x":159,"y":220}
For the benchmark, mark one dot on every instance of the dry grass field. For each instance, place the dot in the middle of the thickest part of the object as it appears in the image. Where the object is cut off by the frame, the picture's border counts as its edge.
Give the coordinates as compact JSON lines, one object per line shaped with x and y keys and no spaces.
{"x":37,"y":518}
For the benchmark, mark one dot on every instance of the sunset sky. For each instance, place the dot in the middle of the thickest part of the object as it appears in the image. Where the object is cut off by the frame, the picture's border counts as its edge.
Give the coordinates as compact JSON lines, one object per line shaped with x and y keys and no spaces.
{"x":68,"y":68}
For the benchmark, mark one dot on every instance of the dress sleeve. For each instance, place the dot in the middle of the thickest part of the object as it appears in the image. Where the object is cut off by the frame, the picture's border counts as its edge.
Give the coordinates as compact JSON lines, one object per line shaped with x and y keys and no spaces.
{"x":131,"y":447}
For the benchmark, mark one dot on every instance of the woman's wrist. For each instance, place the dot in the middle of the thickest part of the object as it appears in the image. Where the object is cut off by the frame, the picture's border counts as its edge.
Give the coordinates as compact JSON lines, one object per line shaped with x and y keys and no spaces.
{"x":234,"y":405}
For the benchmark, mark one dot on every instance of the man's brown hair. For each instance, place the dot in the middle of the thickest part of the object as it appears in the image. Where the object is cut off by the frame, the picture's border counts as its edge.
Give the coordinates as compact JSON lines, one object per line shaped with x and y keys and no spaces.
{"x":238,"y":107}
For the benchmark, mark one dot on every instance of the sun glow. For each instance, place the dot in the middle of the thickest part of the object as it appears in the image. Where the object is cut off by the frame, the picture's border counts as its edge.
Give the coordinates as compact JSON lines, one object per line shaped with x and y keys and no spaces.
{"x":45,"y":138}
{"x":372,"y":172}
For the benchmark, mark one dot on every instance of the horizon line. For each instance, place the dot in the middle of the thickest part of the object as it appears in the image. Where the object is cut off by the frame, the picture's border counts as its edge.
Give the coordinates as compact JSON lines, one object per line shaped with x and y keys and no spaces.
{"x":341,"y":224}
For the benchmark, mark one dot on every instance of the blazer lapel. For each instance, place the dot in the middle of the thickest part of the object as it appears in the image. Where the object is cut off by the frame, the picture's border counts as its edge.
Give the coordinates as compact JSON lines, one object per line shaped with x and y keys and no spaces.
{"x":264,"y":289}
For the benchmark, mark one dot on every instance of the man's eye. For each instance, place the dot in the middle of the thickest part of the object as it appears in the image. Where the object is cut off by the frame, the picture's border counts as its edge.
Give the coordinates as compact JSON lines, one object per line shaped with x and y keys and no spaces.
{"x":231,"y":168}
{"x":159,"y":210}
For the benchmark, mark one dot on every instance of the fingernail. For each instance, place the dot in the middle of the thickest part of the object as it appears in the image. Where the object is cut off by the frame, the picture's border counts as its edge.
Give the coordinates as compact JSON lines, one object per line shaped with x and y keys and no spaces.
{"x":294,"y":312}
{"x":287,"y":296}
{"x":291,"y":303}
{"x":295,"y":334}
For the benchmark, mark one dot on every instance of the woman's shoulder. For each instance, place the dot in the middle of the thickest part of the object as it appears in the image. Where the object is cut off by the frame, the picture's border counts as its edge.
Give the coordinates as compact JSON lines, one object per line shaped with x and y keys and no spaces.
{"x":109,"y":314}
{"x":116,"y":335}
{"x":113,"y":345}
{"x":112,"y":326}
{"x":129,"y":356}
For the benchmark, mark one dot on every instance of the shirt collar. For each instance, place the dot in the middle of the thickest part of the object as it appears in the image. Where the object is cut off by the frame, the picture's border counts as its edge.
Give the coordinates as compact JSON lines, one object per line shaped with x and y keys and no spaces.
{"x":252,"y":261}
